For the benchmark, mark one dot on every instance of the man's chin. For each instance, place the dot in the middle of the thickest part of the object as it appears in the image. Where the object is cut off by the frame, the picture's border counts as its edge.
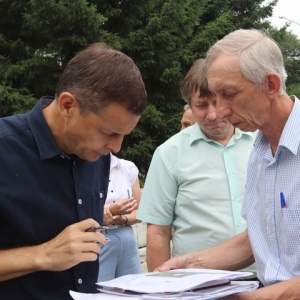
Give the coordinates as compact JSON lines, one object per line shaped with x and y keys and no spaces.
{"x":245,"y":127}
{"x":91,"y":157}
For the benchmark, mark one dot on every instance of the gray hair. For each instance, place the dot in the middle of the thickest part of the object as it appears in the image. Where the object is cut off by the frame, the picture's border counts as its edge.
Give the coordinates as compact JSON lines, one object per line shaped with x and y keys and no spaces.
{"x":259,"y":55}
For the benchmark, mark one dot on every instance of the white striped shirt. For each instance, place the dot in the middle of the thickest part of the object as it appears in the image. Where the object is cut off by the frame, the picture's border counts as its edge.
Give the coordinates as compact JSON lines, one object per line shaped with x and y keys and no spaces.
{"x":275,"y":231}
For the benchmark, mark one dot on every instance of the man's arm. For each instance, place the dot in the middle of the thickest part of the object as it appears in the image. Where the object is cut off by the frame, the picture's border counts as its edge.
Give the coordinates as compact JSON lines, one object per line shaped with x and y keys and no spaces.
{"x":285,"y":290}
{"x":158,"y":245}
{"x":72,"y":246}
{"x":233,"y":254}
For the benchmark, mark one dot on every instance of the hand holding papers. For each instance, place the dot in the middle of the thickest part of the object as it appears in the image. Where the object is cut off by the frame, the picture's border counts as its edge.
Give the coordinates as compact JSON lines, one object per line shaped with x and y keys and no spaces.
{"x":175,"y":284}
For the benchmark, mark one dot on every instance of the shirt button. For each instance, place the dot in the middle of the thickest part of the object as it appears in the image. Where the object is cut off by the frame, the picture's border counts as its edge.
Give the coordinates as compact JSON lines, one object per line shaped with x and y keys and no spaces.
{"x":79,"y":201}
{"x":80,"y":281}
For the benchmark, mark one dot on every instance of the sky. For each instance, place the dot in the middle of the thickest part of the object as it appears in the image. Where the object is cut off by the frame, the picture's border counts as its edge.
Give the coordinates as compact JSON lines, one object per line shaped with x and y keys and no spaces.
{"x":287,"y":9}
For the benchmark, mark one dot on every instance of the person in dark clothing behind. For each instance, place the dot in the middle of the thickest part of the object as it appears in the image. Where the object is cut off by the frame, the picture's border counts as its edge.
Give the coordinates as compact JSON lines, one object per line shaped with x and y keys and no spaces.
{"x":54,"y":163}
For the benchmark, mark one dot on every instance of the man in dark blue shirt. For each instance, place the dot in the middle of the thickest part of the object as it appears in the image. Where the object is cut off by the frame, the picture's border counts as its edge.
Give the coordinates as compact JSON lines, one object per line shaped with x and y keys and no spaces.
{"x":54,"y":175}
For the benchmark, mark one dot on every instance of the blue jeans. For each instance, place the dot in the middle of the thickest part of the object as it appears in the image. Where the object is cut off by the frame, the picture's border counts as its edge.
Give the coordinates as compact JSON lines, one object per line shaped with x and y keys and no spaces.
{"x":119,"y":257}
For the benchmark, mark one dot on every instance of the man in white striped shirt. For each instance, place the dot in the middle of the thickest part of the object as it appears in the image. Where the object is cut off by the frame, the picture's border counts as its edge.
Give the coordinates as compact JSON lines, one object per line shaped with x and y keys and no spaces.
{"x":246,"y":75}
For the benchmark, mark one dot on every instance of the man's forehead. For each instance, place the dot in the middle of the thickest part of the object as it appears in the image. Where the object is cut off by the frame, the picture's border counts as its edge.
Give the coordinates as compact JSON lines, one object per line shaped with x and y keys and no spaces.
{"x":224,"y":73}
{"x":224,"y":63}
{"x":117,"y":120}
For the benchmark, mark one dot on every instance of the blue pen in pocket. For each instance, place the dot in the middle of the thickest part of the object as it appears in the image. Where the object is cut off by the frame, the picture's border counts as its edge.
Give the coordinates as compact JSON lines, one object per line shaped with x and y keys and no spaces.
{"x":282,"y":200}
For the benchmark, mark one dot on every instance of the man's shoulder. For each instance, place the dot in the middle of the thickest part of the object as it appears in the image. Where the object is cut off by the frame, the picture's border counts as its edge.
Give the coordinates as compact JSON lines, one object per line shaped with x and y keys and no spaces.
{"x":13,"y":125}
{"x":177,"y":139}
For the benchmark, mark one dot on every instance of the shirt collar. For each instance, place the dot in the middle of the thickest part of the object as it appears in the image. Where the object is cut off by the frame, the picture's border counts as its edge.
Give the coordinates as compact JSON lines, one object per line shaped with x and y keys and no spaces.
{"x":113,"y":161}
{"x":197,"y":134}
{"x":44,"y":139}
{"x":290,"y":137}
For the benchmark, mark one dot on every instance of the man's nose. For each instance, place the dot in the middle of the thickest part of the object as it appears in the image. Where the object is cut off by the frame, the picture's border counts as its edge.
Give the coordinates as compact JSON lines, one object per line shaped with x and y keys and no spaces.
{"x":222,"y":110}
{"x":211,"y":113}
{"x":115,"y":143}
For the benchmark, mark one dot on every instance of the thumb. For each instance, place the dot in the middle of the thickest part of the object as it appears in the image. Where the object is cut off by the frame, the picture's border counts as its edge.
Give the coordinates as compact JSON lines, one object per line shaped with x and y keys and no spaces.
{"x":117,"y":217}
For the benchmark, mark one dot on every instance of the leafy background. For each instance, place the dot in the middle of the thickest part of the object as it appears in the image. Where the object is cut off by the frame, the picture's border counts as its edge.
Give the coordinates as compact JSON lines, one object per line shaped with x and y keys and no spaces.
{"x":38,"y":38}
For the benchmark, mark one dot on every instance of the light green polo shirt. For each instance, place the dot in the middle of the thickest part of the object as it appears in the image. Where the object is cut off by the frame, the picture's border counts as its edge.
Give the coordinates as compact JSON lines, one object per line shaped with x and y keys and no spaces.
{"x":197,"y":185}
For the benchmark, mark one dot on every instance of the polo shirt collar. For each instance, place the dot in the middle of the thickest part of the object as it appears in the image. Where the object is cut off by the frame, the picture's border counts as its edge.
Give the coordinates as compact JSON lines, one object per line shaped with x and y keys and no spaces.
{"x":41,"y":132}
{"x":197,"y":134}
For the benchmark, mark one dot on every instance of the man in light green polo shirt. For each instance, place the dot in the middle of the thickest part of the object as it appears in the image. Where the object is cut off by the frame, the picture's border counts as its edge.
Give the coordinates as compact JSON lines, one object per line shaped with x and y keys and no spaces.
{"x":194,"y":188}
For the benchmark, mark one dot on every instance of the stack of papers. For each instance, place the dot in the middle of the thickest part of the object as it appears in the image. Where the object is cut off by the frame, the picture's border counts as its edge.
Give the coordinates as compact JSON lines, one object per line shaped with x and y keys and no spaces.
{"x":175,"y":284}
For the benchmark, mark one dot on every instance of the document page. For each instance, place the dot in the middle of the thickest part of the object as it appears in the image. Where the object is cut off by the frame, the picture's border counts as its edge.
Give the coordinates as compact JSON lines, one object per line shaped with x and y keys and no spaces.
{"x":211,"y":293}
{"x":173,"y":281}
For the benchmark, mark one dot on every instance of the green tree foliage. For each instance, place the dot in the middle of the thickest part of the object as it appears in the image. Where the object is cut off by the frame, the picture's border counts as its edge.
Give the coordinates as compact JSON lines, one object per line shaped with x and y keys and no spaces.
{"x":290,"y":47}
{"x":37,"y":38}
{"x":164,"y":37}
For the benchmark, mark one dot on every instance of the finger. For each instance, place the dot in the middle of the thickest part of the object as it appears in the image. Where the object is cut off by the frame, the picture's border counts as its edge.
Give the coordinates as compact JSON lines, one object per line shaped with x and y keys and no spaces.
{"x":89,"y":247}
{"x":125,"y":201}
{"x":170,"y":264}
{"x":117,"y":217}
{"x":89,"y":256}
{"x":107,"y":213}
{"x":94,"y":247}
{"x":86,"y":224}
{"x":95,"y":237}
{"x":131,"y":208}
{"x":132,"y":204}
{"x":130,"y":201}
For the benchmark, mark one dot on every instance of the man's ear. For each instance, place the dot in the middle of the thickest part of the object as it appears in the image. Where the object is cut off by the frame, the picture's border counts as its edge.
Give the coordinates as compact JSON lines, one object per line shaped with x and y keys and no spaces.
{"x":273,"y":84}
{"x":66,"y":102}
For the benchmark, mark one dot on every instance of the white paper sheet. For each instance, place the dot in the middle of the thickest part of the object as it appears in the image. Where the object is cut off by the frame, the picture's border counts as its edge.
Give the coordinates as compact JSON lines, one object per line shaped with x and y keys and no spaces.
{"x":173,"y":281}
{"x":205,"y":294}
{"x":175,"y":284}
{"x":98,"y":296}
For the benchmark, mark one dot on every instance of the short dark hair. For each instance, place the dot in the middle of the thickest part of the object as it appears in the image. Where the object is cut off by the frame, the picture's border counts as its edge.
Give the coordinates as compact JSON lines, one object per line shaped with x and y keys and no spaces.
{"x":99,"y":76}
{"x":195,"y":79}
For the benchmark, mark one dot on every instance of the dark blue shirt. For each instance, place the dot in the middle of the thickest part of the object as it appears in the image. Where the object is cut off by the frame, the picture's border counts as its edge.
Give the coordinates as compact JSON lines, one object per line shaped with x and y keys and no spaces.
{"x":42,"y":191}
